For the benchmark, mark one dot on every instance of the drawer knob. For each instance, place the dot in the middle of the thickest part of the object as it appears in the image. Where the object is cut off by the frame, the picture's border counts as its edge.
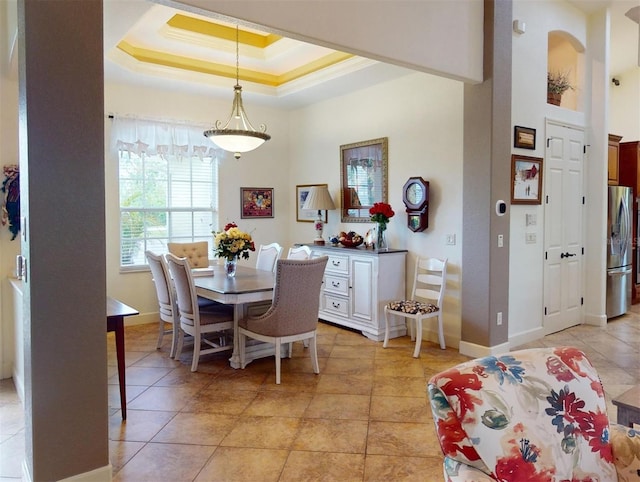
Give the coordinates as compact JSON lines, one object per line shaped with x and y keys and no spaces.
{"x":335,"y":284}
{"x":336,"y":263}
{"x":335,"y":305}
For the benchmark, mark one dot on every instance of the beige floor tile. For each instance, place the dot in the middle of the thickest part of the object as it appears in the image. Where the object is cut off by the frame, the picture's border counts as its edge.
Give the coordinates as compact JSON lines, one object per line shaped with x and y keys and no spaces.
{"x":403,"y":439}
{"x":262,"y":432}
{"x":400,"y":409}
{"x":141,"y":375}
{"x":171,"y":399}
{"x":292,"y":381}
{"x":157,"y":359}
{"x":278,"y":404}
{"x":247,"y":379}
{"x":347,"y":384}
{"x":351,"y":366}
{"x":196,"y":428}
{"x":407,"y":367}
{"x":140,"y":426}
{"x":174,"y":462}
{"x":224,"y":401}
{"x":185,"y":378}
{"x":12,"y":453}
{"x":339,"y":406}
{"x":131,"y":393}
{"x":120,"y":452}
{"x":384,"y":468}
{"x":351,"y":351}
{"x":238,"y":464}
{"x":323,"y":435}
{"x":399,"y":386}
{"x":330,"y":467}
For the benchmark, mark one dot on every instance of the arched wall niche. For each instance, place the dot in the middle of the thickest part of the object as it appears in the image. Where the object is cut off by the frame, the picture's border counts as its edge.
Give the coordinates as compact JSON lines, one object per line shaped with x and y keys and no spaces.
{"x":565,"y":54}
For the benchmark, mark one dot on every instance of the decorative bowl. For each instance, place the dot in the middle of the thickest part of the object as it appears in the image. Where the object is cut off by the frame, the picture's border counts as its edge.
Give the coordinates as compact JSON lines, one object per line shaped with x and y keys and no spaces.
{"x":352,"y":243}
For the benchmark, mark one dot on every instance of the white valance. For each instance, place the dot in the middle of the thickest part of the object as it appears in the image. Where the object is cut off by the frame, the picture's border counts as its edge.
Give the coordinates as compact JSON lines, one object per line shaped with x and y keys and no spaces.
{"x":154,"y":137}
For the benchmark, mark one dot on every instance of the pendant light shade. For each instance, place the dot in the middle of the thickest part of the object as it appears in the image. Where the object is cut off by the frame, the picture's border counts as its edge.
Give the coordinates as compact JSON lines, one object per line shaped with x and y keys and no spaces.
{"x":237,"y":135}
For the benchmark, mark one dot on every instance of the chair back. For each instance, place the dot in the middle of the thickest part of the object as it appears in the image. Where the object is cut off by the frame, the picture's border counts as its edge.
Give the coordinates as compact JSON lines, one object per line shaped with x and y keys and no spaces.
{"x":296,"y":297}
{"x":185,"y":289}
{"x":299,"y":252}
{"x":164,"y":287}
{"x":534,"y":414}
{"x":197,"y":253}
{"x":268,"y":254}
{"x":430,"y":280}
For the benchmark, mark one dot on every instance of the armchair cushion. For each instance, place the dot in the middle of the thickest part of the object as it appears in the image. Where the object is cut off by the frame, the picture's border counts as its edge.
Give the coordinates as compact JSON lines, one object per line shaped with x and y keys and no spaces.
{"x":535,"y":415}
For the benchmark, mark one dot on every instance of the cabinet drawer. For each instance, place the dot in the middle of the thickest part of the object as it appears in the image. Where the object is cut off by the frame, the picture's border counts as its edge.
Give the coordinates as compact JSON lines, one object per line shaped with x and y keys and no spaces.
{"x":338,"y":264}
{"x":335,"y":304}
{"x":335,"y":284}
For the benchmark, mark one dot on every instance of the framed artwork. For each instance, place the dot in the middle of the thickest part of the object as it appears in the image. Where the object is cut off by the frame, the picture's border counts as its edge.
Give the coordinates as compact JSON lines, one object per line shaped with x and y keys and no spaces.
{"x":256,"y":202}
{"x":524,"y":137}
{"x":526,"y":180}
{"x":306,"y":215}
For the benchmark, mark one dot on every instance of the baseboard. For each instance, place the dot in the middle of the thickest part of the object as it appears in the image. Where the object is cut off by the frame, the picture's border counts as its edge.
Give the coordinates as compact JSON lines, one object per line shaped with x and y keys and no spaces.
{"x":142,"y":319}
{"x":19,"y":384}
{"x":526,"y":337}
{"x":477,"y":351}
{"x":103,"y":474}
{"x":595,"y":320}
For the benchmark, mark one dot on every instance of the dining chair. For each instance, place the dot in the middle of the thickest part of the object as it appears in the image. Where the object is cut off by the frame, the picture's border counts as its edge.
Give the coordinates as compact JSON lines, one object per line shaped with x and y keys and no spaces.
{"x":268,"y":254}
{"x":429,"y":282}
{"x":293,"y":314}
{"x":197,"y":253}
{"x":166,"y":299}
{"x":194,"y":320}
{"x":299,"y":252}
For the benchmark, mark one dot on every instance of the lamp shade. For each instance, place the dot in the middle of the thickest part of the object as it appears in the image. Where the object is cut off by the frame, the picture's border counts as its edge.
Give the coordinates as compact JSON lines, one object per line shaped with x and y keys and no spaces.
{"x":319,"y":198}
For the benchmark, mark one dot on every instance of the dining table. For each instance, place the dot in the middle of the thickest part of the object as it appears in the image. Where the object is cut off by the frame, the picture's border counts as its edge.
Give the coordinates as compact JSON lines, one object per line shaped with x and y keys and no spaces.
{"x":248,"y":287}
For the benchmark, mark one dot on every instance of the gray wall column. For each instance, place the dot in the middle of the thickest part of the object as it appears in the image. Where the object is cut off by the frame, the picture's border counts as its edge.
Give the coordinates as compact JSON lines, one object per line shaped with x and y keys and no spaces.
{"x":486,"y":179}
{"x":61,"y":110}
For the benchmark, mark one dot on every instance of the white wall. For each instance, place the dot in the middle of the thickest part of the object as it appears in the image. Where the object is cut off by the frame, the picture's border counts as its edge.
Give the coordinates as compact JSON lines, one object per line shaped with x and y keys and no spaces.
{"x":422,"y":116}
{"x":624,"y":107}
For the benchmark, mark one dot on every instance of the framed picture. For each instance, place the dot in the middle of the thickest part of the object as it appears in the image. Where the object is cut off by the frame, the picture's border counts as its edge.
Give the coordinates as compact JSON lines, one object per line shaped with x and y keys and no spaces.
{"x":306,"y":215}
{"x":256,"y":202}
{"x":526,"y":180}
{"x":524,"y":137}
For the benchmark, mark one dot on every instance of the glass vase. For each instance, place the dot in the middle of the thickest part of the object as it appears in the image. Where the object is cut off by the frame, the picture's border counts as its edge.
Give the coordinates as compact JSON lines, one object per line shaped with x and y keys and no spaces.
{"x":230,"y":266}
{"x":381,"y":238}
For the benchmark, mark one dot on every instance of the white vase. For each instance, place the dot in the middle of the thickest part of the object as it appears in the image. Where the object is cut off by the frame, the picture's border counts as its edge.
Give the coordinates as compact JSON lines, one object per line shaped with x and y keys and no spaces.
{"x":230,"y":266}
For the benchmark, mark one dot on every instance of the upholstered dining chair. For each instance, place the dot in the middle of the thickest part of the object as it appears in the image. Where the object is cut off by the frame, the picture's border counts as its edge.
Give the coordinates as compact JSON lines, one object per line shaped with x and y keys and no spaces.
{"x":293,"y":315}
{"x":299,"y":252}
{"x":197,"y":253}
{"x":530,"y":415}
{"x":429,"y":282}
{"x":268,"y":254}
{"x":166,"y":299}
{"x":195,"y":321}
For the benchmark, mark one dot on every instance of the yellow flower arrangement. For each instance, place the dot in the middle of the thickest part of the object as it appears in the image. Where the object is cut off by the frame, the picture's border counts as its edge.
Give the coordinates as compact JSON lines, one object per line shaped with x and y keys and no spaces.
{"x":232,"y":243}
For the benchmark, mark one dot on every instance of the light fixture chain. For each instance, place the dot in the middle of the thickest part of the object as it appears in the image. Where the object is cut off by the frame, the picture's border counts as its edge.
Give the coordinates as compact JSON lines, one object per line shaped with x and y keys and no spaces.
{"x":237,"y":54}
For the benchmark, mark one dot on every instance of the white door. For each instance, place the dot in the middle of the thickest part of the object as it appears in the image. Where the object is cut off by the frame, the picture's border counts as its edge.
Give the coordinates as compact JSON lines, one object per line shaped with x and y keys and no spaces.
{"x":563,"y":214}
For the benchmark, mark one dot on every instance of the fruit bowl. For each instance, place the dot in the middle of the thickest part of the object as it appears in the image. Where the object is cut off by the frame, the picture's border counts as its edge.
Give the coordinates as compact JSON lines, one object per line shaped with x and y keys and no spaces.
{"x":348,"y":243}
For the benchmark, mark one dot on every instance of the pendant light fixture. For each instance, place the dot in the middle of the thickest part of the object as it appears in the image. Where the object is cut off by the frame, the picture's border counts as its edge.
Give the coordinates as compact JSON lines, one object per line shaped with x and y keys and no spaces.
{"x":237,"y":135}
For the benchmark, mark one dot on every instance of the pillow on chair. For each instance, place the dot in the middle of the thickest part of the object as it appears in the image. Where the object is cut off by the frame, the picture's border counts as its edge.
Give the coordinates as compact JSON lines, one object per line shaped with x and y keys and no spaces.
{"x":196,"y":253}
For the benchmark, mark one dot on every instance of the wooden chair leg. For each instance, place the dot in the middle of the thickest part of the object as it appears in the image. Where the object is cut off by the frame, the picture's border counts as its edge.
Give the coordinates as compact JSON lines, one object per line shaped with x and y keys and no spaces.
{"x":416,"y":352}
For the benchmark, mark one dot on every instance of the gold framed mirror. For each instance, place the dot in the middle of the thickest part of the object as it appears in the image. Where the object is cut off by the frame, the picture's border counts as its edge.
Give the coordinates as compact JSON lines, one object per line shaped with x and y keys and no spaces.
{"x":363,"y":178}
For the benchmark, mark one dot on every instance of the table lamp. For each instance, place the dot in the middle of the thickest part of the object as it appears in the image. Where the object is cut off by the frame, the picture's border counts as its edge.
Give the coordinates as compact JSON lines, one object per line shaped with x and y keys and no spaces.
{"x":320,"y":199}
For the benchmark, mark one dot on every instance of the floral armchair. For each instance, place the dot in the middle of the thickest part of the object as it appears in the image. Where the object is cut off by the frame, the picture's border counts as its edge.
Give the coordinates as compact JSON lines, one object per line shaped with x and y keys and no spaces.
{"x":531,"y":415}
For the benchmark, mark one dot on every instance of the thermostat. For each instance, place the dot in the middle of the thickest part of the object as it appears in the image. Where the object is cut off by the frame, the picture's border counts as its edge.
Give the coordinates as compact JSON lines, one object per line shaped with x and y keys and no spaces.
{"x":501,"y":208}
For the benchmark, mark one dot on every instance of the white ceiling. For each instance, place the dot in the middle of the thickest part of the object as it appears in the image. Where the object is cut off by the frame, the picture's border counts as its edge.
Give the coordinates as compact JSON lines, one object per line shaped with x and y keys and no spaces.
{"x":143,"y":22}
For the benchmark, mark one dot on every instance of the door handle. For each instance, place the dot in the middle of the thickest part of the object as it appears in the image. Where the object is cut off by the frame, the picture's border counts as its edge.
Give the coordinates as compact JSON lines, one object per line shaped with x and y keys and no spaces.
{"x":566,"y":255}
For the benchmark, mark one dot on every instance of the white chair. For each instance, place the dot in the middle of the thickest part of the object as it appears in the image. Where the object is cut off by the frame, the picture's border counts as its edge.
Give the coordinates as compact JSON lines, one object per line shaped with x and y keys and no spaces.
{"x":166,"y":299}
{"x":293,"y":314}
{"x":193,"y":320}
{"x":197,"y":253}
{"x":429,"y":284}
{"x":299,"y":252}
{"x":268,"y":254}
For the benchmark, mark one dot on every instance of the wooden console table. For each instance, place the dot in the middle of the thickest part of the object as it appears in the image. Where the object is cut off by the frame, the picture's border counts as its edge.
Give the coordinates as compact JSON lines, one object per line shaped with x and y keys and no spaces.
{"x":628,"y":407}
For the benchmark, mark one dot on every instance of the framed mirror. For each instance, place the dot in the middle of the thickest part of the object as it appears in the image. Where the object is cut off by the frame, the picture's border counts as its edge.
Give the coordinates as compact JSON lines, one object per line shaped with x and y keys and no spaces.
{"x":363,"y":178}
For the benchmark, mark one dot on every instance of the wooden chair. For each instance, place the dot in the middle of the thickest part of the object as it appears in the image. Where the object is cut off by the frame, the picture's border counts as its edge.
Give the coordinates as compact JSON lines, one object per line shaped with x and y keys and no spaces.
{"x":429,"y":284}
{"x":193,"y":320}
{"x":166,"y":299}
{"x":197,"y":253}
{"x":268,"y":254}
{"x":293,"y":315}
{"x":299,"y":252}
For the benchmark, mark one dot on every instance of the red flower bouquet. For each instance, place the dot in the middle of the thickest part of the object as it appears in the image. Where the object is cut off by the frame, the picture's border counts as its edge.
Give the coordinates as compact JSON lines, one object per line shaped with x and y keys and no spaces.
{"x":381,"y":213}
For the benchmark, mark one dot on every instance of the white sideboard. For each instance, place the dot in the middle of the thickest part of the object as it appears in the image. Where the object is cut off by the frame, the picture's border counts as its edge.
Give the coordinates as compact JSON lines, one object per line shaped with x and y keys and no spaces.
{"x":357,"y":284}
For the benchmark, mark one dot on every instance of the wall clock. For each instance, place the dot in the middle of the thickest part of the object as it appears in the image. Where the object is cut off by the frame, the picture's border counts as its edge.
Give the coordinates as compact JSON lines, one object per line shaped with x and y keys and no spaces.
{"x":415,"y":195}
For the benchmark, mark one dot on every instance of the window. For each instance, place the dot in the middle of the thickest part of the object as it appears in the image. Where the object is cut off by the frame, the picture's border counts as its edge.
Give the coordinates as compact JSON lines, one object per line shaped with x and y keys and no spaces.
{"x":164,"y":198}
{"x":168,"y":175}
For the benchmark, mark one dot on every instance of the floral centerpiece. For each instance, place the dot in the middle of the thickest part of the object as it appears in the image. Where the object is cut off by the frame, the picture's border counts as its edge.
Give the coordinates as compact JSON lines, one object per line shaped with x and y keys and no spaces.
{"x":381,"y":213}
{"x":231,"y":243}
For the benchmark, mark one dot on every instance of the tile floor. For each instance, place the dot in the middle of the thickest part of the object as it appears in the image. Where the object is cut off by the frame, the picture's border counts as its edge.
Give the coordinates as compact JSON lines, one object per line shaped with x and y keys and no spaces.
{"x":364,"y":418}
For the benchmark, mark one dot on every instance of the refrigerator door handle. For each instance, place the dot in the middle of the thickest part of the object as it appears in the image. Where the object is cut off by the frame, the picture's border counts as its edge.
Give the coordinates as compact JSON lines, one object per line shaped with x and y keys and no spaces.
{"x":618,"y":271}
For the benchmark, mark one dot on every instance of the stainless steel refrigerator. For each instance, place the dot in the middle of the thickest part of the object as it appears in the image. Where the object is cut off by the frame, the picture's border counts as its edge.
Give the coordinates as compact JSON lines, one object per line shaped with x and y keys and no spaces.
{"x":619,"y":251}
